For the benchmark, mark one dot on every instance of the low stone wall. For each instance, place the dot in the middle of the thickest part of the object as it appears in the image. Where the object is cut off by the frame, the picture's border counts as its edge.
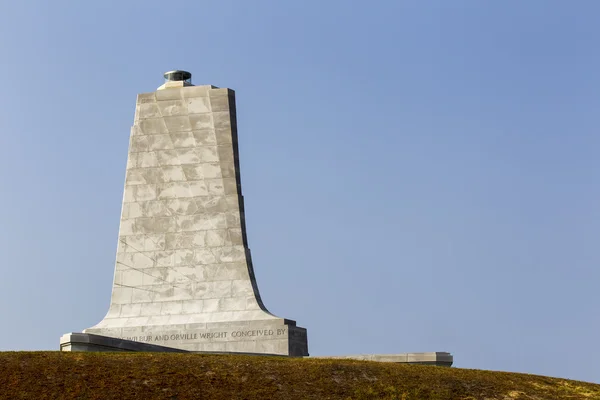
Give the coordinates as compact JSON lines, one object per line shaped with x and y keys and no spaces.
{"x":430,"y":358}
{"x":90,"y":342}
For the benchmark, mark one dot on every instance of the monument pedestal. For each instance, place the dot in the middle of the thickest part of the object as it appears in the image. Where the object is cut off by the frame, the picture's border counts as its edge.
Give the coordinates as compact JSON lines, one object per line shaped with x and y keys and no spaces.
{"x":90,"y":342}
{"x":275,"y":336}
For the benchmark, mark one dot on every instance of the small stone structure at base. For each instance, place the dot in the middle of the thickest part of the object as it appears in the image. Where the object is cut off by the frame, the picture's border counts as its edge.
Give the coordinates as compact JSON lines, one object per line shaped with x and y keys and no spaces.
{"x":438,"y":358}
{"x":89,"y":342}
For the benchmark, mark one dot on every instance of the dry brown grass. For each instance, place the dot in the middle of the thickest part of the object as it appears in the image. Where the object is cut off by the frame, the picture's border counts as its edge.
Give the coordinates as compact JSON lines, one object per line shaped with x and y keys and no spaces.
{"x":54,"y":375}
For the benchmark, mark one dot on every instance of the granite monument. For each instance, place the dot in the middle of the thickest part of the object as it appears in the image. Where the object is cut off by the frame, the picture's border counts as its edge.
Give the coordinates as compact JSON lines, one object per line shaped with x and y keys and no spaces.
{"x":183,"y":276}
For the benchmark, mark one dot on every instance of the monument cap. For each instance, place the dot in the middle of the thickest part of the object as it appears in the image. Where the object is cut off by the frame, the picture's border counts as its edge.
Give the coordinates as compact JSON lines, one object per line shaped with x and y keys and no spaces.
{"x":178,"y":75}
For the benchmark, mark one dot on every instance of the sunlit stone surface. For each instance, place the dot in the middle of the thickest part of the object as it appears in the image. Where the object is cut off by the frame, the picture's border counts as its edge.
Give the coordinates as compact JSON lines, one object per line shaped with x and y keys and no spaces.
{"x":183,"y":275}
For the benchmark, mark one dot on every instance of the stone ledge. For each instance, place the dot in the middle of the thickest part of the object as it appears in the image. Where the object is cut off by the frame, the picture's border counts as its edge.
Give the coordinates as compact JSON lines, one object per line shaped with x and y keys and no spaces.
{"x":91,"y":342}
{"x":95,"y":343}
{"x":431,"y":358}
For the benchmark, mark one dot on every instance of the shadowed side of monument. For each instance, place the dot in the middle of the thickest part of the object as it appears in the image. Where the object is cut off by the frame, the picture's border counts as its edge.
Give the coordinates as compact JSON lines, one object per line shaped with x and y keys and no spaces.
{"x":184,"y":276}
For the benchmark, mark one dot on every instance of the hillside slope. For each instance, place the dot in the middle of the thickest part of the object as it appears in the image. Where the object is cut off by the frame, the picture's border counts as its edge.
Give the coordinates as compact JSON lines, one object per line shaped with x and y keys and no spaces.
{"x":55,"y":375}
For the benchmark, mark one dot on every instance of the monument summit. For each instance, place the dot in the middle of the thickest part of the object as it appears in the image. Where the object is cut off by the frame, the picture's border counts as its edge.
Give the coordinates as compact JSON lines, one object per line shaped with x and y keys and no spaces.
{"x":183,"y":274}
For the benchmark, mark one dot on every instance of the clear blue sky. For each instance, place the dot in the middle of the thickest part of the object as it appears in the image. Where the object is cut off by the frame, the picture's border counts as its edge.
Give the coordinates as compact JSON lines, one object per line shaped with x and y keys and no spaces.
{"x":418,"y":175}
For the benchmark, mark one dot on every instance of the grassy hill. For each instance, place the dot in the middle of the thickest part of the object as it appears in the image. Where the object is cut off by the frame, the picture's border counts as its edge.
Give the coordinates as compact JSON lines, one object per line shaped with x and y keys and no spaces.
{"x":55,"y":375}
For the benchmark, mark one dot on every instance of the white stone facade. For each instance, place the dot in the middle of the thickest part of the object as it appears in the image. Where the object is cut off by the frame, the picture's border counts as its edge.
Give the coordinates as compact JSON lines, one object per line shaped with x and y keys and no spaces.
{"x":183,"y":275}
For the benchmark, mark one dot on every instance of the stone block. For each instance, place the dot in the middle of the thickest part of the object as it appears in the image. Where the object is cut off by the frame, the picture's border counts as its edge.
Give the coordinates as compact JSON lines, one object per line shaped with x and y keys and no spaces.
{"x":178,"y":124}
{"x":185,"y":139}
{"x":159,"y":142}
{"x":154,"y":126}
{"x":138,"y":144}
{"x":221,"y":120}
{"x":228,"y":170}
{"x":132,"y":210}
{"x":223,"y":136}
{"x":215,"y":187}
{"x":205,"y":137}
{"x":173,"y":173}
{"x":201,"y":121}
{"x":218,"y":92}
{"x":169,"y":94}
{"x":146,"y":98}
{"x":155,"y":208}
{"x":196,"y":91}
{"x":198,"y":105}
{"x":225,"y":154}
{"x":147,"y":160}
{"x":168,"y":108}
{"x":147,"y":110}
{"x":219,"y":103}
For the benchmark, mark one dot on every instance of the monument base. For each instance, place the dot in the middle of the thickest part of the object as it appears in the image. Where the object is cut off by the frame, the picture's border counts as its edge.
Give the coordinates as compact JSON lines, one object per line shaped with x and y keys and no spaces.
{"x":90,"y":342}
{"x":275,"y":337}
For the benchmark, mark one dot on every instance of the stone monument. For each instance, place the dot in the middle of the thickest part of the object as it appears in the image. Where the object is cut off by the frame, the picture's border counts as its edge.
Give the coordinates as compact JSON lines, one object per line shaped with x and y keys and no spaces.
{"x":183,"y":276}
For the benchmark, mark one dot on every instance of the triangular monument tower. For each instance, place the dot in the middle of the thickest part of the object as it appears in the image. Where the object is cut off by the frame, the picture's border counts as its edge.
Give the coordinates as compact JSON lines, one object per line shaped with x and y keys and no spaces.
{"x":183,"y":275}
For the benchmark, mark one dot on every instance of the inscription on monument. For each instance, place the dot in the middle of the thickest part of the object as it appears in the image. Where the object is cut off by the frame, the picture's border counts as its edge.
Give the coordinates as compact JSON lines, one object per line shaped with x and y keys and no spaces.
{"x":208,"y":336}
